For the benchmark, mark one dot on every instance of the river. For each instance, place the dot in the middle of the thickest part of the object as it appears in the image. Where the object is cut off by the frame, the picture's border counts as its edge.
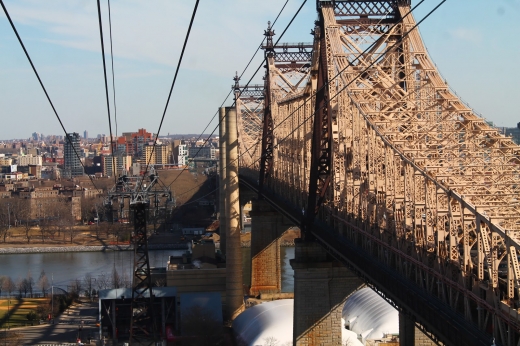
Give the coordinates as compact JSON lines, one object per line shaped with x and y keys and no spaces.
{"x":62,"y":268}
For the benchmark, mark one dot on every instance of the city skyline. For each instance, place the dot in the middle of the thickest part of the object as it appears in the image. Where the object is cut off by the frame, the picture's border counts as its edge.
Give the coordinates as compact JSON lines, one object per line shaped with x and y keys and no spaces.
{"x":63,"y":41}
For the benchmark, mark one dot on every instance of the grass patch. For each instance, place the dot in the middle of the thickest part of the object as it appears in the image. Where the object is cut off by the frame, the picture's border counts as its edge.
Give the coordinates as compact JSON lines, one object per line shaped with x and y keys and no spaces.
{"x":18,"y":309}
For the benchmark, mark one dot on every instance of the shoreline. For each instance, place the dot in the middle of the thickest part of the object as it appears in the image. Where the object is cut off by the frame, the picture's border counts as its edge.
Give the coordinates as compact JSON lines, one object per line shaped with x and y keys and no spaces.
{"x":80,"y":248}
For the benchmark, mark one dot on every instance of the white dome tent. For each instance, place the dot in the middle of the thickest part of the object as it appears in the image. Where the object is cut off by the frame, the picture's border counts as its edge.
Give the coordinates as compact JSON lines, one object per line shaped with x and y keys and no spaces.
{"x":370,"y":316}
{"x":365,"y":313}
{"x":269,"y":321}
{"x":272,"y":323}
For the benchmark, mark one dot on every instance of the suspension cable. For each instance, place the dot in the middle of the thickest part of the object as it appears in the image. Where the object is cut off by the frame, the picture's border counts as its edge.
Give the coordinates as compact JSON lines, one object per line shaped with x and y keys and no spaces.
{"x":112,"y":60}
{"x":354,"y":79}
{"x":359,"y":74}
{"x":349,"y":65}
{"x":263,"y":61}
{"x":106,"y":90}
{"x":43,"y":88}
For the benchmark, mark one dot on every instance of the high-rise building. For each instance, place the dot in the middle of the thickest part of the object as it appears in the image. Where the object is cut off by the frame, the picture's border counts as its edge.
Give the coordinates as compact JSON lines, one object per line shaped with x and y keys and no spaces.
{"x":161,"y":154}
{"x":139,"y":139}
{"x":71,"y":152}
{"x":121,"y":162}
{"x":180,"y":152}
{"x":85,"y":134}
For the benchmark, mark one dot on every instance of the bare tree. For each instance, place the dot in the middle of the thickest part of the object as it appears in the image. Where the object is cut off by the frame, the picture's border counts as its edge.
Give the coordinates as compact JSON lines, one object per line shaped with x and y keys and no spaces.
{"x":22,"y":286}
{"x":2,"y":280}
{"x":87,"y":281}
{"x":270,"y":341}
{"x":126,"y":280}
{"x":88,"y":208}
{"x":46,"y":227}
{"x":43,"y":283}
{"x":66,"y":220}
{"x":75,"y":287}
{"x":29,"y":281}
{"x":4,"y":219}
{"x":102,"y":282}
{"x":19,"y":286}
{"x":21,"y":210}
{"x":116,"y":278}
{"x":9,"y":285}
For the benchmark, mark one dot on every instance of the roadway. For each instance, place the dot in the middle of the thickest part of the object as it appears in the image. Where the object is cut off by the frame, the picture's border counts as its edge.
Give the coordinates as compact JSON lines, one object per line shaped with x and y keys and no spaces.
{"x":77,"y":321}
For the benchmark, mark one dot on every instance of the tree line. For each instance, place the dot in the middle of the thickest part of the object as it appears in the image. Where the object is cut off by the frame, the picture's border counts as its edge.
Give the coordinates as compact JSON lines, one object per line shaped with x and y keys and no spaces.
{"x":88,"y":286}
{"x":54,"y":218}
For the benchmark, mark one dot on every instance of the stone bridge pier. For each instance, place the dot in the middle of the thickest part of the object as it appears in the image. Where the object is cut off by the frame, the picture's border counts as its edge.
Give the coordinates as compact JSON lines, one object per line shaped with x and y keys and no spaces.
{"x":321,"y":287}
{"x":267,"y":228}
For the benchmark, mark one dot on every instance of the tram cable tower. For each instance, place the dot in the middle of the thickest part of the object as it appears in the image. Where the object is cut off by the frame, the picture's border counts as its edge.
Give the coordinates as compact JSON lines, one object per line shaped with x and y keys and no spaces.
{"x":143,"y":326}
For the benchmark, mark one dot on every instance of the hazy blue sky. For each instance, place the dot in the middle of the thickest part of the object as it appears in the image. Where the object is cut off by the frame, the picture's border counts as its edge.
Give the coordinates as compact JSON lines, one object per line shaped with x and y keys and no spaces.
{"x":475,"y":44}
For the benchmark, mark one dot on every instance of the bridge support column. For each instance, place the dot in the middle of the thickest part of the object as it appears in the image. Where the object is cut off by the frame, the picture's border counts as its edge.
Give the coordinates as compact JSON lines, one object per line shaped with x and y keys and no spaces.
{"x":406,"y":330}
{"x":234,"y":283}
{"x":266,"y":229}
{"x":410,"y":335}
{"x":222,"y":180}
{"x":321,"y":287}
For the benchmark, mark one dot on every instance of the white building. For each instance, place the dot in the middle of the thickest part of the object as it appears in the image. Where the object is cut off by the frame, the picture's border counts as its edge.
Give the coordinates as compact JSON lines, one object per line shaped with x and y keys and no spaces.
{"x":183,"y":155}
{"x":27,"y":160}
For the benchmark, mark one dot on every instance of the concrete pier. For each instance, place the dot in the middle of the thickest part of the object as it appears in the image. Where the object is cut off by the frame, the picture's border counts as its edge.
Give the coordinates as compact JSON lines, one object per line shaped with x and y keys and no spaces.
{"x":266,"y":229}
{"x":234,"y":282}
{"x":321,"y":287}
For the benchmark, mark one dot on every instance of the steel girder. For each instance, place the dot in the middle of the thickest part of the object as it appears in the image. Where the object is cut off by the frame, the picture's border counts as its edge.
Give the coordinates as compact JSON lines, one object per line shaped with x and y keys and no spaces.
{"x":417,"y":178}
{"x":287,"y":72}
{"x":321,"y":145}
{"x":249,"y":106}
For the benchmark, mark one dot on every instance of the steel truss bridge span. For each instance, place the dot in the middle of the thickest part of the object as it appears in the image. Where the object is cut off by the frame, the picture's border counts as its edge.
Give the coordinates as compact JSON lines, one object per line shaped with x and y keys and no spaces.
{"x":364,"y":134}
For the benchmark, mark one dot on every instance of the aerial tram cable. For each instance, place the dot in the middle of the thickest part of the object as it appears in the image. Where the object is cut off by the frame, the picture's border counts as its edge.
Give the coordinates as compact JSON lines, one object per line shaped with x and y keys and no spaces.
{"x":106,"y":90}
{"x":44,"y":90}
{"x":334,"y":96}
{"x":263,"y":61}
{"x":171,"y":90}
{"x":223,"y":102}
{"x":112,"y":62}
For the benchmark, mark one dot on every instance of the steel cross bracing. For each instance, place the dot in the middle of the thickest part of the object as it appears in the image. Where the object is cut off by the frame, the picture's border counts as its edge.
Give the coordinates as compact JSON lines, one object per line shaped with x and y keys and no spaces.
{"x":416,"y":177}
{"x":250,"y":112}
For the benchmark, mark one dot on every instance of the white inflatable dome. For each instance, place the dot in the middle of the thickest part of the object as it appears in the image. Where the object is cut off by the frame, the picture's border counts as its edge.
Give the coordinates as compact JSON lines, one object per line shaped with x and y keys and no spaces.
{"x":271,"y":322}
{"x":370,"y":316}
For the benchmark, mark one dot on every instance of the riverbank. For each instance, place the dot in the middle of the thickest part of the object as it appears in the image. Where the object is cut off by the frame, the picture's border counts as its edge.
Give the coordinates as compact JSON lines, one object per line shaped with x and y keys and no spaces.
{"x":79,"y":248}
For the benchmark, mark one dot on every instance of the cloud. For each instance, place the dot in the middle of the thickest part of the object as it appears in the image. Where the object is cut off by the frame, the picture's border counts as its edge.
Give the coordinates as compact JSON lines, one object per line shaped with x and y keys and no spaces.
{"x":467,"y":34}
{"x":224,"y":32}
